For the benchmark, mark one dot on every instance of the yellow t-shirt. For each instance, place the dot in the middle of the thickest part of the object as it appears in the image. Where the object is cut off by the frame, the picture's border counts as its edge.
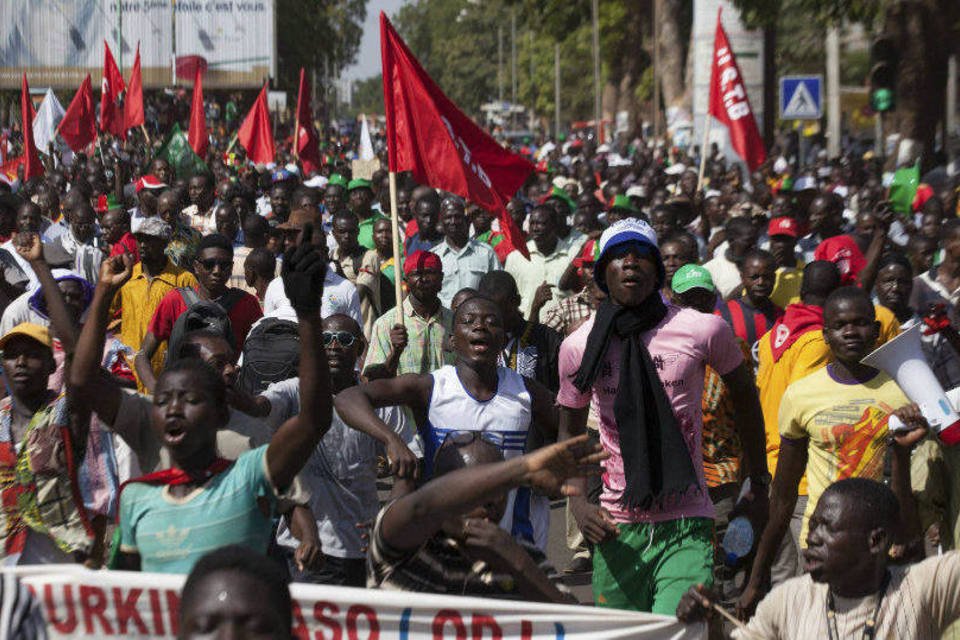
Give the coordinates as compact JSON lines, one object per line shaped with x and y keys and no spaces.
{"x":808,"y":354}
{"x":786,"y":286}
{"x":846,"y":428}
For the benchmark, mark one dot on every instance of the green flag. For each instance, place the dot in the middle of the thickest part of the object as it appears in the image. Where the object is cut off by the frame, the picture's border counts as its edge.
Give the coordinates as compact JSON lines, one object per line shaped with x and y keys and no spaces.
{"x":176,"y":150}
{"x":903,"y":189}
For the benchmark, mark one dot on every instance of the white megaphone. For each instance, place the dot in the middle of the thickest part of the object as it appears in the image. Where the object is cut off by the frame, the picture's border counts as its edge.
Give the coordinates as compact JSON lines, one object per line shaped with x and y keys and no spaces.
{"x":902,"y":359}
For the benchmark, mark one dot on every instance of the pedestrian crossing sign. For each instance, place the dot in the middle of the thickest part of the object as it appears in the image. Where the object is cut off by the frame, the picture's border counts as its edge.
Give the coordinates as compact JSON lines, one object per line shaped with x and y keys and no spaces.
{"x":801,"y":97}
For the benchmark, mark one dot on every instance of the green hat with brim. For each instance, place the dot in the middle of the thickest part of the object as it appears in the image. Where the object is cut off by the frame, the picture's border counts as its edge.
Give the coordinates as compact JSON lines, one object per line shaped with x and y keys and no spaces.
{"x":623,"y":202}
{"x":338,"y":180}
{"x":559,"y":194}
{"x":692,"y":276}
{"x":358,"y":183}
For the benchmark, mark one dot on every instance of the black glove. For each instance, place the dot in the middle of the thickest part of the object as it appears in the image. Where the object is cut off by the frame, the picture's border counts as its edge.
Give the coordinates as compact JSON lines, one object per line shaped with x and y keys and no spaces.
{"x":304,"y":270}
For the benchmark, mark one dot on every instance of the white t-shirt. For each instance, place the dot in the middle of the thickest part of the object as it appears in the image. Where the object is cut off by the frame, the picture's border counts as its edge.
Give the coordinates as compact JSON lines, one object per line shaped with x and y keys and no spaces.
{"x":339,"y":296}
{"x":725,"y":275}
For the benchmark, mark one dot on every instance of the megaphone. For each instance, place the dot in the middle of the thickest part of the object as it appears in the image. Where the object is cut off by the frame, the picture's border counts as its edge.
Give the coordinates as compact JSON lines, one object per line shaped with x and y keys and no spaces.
{"x":902,"y":359}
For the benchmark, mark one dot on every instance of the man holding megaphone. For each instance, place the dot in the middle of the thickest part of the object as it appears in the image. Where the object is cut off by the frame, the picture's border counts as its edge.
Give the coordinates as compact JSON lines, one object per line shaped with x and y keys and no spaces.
{"x":832,"y":423}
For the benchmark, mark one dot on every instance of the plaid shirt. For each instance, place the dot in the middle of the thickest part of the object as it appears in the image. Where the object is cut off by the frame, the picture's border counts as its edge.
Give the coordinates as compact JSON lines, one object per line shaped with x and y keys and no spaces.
{"x":569,"y":313}
{"x":426,"y":339}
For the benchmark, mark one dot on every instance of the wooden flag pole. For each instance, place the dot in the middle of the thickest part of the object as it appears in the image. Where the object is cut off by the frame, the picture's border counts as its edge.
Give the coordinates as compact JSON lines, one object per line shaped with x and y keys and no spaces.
{"x":708,"y":120}
{"x":395,"y":240}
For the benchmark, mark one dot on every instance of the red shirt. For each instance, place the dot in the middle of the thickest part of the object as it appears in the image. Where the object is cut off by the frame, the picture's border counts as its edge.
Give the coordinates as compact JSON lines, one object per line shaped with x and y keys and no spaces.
{"x":126,"y":244}
{"x":411,"y":229}
{"x":242,"y":315}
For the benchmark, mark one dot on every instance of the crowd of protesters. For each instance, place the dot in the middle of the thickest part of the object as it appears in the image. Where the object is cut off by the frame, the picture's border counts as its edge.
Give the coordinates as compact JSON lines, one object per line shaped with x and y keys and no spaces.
{"x":216,"y":361}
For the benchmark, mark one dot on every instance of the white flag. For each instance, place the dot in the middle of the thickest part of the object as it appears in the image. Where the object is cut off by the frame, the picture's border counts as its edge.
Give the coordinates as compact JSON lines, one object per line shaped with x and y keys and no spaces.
{"x":48,"y":118}
{"x":366,"y":145}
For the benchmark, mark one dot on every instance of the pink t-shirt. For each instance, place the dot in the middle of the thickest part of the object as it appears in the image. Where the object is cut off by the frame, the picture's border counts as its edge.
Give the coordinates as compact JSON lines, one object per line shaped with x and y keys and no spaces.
{"x":680,"y":346}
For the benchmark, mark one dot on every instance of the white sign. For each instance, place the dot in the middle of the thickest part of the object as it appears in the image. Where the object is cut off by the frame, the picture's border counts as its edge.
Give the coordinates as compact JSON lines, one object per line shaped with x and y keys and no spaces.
{"x":79,"y":603}
{"x":57,"y":43}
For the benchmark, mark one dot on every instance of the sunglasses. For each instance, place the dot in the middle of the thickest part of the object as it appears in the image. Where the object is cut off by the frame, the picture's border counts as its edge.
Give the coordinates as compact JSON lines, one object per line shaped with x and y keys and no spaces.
{"x":345,"y":338}
{"x":211,"y":264}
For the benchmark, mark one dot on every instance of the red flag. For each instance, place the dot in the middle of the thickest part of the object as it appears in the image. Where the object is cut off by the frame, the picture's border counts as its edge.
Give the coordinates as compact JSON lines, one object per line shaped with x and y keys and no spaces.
{"x":79,"y":125}
{"x":133,"y":102}
{"x":111,"y":119}
{"x":256,"y":134}
{"x":32,"y":166}
{"x":197,"y":135}
{"x":308,"y":151}
{"x":730,"y":104}
{"x":429,"y":135}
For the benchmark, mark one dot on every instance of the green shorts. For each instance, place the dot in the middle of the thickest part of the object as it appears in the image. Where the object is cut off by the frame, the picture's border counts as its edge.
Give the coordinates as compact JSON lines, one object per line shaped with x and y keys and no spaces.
{"x":649,"y":566}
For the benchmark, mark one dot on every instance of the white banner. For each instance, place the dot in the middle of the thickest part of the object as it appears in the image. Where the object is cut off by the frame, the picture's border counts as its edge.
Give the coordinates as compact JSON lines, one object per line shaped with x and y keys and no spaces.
{"x":78,"y":603}
{"x":57,"y":43}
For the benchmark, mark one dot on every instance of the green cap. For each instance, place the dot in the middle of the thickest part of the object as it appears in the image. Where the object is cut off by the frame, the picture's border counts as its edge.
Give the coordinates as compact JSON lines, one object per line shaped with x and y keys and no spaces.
{"x":623,"y":202}
{"x":358,"y":183}
{"x":337,"y":179}
{"x":692,"y":276}
{"x":561,"y":194}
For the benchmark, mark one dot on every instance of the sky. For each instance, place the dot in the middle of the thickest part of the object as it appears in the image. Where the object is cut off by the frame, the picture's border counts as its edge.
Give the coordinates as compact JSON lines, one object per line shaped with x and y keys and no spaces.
{"x":368,"y":59}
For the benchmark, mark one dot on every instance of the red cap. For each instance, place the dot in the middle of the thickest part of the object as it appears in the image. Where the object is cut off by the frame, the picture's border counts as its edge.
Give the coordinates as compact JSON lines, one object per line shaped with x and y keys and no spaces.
{"x":149,"y":182}
{"x":783,"y":226}
{"x":422,"y":261}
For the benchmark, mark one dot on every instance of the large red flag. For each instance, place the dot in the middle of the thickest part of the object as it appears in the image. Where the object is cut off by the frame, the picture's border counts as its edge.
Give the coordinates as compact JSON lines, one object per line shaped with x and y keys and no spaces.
{"x":197,"y":135}
{"x":256,"y":134}
{"x":133,"y":101}
{"x":428,"y":135}
{"x":307,"y":149}
{"x":32,"y":165}
{"x":730,"y":104}
{"x":111,"y":118}
{"x":79,"y":125}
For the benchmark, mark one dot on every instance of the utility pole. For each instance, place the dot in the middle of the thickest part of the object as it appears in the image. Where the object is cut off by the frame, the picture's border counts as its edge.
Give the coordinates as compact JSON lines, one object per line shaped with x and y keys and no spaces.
{"x":513,"y":56}
{"x":500,"y":62}
{"x":596,"y":70}
{"x":833,"y":92}
{"x":120,"y":35}
{"x":556,"y":90}
{"x":656,"y":70}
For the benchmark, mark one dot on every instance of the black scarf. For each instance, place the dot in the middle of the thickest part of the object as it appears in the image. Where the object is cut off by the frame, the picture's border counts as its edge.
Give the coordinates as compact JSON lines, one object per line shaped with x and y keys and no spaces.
{"x":656,"y":461}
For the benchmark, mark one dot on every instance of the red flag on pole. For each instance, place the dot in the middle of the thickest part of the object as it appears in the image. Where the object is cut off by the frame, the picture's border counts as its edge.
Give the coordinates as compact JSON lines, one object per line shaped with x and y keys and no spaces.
{"x":133,"y":102}
{"x":428,"y":135}
{"x":197,"y":135}
{"x":256,"y":134}
{"x":32,"y":166}
{"x":730,"y":104}
{"x":111,"y":119}
{"x":79,"y":125}
{"x":307,"y":149}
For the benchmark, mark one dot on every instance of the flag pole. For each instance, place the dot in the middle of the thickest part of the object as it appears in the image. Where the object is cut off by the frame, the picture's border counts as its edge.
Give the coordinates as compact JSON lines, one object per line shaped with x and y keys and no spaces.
{"x":398,"y":256}
{"x":703,"y":150}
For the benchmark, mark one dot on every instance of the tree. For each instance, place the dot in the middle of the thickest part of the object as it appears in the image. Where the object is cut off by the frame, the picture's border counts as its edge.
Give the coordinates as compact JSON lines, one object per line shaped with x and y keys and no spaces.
{"x":318,"y":35}
{"x":368,"y":96}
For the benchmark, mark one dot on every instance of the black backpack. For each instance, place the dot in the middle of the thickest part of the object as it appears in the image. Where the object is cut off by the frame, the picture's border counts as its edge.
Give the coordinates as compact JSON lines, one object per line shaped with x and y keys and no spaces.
{"x":202,"y":314}
{"x":271,"y":353}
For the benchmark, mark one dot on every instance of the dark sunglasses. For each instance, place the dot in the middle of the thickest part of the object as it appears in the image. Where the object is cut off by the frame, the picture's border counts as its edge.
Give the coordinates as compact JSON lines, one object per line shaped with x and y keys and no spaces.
{"x":211,"y":264}
{"x":345,"y":338}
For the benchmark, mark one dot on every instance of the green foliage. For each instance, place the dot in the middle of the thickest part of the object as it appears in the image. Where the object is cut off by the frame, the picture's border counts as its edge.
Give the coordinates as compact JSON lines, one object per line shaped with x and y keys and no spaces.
{"x":368,"y":96}
{"x":321,"y":34}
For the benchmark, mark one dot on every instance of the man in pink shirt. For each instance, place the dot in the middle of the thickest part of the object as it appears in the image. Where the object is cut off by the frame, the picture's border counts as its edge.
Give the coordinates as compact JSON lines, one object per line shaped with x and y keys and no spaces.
{"x":642,"y":361}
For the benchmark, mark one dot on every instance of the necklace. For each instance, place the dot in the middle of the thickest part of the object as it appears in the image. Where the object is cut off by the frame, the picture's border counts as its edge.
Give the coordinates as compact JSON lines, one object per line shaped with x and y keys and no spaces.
{"x":870,"y":626}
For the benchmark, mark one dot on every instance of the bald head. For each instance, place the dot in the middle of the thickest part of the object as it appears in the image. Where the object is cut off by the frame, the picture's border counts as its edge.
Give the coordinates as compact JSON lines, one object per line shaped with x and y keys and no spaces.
{"x":820,"y":278}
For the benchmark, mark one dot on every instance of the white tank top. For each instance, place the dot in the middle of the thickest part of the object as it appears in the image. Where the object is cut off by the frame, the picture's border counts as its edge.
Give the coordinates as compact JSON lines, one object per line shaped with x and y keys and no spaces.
{"x":505,"y":419}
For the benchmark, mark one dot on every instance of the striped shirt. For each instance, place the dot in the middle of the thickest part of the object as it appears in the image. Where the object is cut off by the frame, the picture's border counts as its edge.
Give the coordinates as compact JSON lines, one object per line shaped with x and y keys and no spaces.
{"x":748,"y":322}
{"x":439,"y":566}
{"x":21,"y":617}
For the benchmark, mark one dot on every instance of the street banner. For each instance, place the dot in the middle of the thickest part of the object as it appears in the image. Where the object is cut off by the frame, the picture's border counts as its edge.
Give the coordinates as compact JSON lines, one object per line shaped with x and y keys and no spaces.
{"x":177,"y":151}
{"x":79,"y":603}
{"x":428,"y":135}
{"x":730,"y":104}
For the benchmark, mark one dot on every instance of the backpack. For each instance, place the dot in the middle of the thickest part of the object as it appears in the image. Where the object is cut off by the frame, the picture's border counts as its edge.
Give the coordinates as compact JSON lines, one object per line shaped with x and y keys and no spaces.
{"x":271,"y":353}
{"x":202,"y":314}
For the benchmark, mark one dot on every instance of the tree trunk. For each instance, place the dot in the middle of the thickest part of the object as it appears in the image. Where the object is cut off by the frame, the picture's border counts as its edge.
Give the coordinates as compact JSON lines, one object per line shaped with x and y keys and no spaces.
{"x":672,"y":54}
{"x":920,"y":30}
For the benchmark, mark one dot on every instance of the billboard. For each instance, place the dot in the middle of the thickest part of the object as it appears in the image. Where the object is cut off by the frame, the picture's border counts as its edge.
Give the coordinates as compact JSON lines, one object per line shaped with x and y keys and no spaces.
{"x":57,"y":42}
